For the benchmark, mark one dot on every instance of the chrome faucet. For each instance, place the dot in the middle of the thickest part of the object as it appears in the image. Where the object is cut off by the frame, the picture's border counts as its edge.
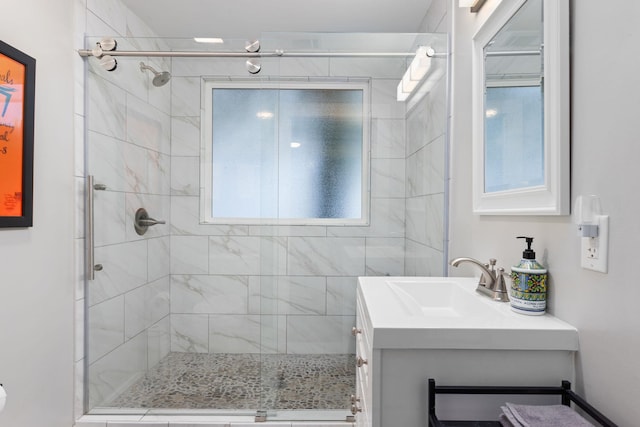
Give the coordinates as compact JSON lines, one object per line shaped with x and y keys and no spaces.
{"x":491,"y":281}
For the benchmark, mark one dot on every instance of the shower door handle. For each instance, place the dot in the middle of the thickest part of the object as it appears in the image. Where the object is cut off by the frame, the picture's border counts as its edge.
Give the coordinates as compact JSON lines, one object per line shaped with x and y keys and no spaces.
{"x":90,"y":266}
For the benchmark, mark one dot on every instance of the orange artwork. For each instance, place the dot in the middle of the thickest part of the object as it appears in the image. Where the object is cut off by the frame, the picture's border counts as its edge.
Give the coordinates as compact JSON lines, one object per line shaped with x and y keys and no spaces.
{"x":12,"y":87}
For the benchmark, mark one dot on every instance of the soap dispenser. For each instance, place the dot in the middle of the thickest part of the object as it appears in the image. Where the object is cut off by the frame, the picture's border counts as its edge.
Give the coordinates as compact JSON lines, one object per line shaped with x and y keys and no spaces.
{"x":528,"y":283}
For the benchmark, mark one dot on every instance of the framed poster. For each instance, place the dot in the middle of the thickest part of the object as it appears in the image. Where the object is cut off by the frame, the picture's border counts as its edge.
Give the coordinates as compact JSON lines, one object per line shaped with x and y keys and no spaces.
{"x":17,"y":94}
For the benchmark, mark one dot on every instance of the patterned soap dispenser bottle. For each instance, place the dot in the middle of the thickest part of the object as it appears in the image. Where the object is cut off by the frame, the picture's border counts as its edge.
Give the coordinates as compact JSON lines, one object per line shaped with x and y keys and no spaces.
{"x":528,"y":283}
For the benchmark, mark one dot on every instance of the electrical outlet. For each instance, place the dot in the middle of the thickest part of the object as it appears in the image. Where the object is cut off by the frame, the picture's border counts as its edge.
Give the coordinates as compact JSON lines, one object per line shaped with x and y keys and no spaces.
{"x":595,"y":251}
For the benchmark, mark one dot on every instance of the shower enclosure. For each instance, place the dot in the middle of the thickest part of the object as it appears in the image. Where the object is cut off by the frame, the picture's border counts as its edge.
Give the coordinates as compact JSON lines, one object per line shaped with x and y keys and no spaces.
{"x":212,"y":310}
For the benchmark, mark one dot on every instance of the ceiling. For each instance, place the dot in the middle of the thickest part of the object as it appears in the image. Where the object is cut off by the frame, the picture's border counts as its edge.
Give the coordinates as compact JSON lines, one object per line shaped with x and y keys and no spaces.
{"x":249,"y":18}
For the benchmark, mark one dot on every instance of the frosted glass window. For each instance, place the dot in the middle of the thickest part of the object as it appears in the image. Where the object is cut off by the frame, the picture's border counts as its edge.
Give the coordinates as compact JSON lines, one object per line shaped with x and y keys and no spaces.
{"x":291,"y":154}
{"x":514,"y":148}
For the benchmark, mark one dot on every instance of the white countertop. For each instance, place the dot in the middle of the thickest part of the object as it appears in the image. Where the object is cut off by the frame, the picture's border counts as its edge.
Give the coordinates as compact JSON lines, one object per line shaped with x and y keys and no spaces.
{"x":476,"y":321}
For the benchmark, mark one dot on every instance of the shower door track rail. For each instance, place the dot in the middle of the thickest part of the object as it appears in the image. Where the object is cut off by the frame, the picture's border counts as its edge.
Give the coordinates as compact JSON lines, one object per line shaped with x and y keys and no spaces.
{"x":274,"y":54}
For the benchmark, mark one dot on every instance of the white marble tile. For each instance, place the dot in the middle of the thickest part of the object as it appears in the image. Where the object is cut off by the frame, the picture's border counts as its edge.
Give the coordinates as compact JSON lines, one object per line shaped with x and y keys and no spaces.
{"x":189,"y":255}
{"x":234,"y":333}
{"x":257,"y":304}
{"x":423,"y":260}
{"x":106,"y":327}
{"x":106,"y":107}
{"x":387,"y":178}
{"x":158,"y":172}
{"x":158,"y":262}
{"x":387,"y":139}
{"x":435,"y":221}
{"x":292,"y":295}
{"x":383,"y":100}
{"x":111,"y":12}
{"x":185,"y":220}
{"x":425,"y":169}
{"x":416,"y":222}
{"x":190,"y":333}
{"x":385,"y":256}
{"x":136,"y":168}
{"x":331,"y":334}
{"x":147,"y":126}
{"x":247,"y":255}
{"x":416,"y":127}
{"x":109,"y":217}
{"x":387,"y":220}
{"x":209,"y":294}
{"x":185,"y":96}
{"x":124,"y":268}
{"x":273,"y":331}
{"x":341,"y":295}
{"x":301,"y":295}
{"x":185,"y":136}
{"x":145,"y":306}
{"x":185,"y":176}
{"x":288,"y":230}
{"x":437,"y":111}
{"x":158,"y":341}
{"x":106,"y":161}
{"x":339,"y":256}
{"x":391,"y":68}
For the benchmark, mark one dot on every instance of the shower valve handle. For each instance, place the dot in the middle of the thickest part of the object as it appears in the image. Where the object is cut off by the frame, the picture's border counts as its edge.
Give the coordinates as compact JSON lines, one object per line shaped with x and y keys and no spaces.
{"x":151,"y":221}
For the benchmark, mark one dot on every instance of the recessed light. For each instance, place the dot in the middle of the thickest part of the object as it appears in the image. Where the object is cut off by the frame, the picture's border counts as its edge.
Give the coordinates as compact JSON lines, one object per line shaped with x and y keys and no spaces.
{"x":264,"y":115}
{"x":208,"y":40}
{"x":295,"y":145}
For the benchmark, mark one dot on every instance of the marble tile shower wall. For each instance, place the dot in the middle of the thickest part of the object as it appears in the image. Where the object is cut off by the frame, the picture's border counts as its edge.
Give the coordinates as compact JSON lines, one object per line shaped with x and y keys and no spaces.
{"x":425,"y":166}
{"x":279,"y":289}
{"x":127,"y":132}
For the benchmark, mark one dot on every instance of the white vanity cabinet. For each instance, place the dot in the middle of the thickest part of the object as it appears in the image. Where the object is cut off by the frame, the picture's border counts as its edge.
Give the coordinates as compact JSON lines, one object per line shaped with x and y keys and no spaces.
{"x":399,"y":350}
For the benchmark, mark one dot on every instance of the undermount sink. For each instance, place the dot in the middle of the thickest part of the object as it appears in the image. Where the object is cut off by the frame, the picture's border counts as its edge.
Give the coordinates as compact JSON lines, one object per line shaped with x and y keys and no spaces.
{"x":447,"y":312}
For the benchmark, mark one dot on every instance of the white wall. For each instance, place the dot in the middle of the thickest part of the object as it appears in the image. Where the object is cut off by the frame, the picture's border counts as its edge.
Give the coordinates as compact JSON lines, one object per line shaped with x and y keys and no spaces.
{"x":605,"y":154}
{"x":36,"y":285}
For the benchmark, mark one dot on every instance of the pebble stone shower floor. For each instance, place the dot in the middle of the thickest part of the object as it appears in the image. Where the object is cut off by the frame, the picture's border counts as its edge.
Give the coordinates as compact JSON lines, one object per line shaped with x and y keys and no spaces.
{"x":242,"y":381}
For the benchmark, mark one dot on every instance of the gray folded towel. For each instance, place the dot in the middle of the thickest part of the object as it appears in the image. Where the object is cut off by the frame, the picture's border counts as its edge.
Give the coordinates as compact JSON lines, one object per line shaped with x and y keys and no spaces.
{"x":541,"y":416}
{"x":504,"y":420}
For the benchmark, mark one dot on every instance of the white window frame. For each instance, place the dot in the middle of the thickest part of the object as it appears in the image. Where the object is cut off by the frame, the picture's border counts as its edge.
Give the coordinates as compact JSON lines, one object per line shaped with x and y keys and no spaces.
{"x":206,"y":148}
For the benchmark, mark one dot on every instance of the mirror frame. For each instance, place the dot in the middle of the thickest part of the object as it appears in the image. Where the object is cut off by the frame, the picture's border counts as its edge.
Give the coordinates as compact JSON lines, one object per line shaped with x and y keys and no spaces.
{"x":551,"y":198}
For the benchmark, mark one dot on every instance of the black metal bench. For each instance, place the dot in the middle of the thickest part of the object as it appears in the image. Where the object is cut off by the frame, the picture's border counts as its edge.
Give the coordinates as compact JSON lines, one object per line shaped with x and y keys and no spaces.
{"x":567,"y":396}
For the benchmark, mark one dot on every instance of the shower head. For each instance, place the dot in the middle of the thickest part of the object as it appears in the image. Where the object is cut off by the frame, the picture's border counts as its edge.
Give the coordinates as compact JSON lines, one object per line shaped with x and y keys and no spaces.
{"x":161,"y":77}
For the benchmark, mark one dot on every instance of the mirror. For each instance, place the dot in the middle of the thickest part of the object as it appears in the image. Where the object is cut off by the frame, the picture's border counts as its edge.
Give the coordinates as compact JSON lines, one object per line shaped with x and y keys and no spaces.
{"x":521,"y":109}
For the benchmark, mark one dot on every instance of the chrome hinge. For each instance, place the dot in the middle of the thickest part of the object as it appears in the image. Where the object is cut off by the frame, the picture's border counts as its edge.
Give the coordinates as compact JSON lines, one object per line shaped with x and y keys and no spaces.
{"x":351,"y":419}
